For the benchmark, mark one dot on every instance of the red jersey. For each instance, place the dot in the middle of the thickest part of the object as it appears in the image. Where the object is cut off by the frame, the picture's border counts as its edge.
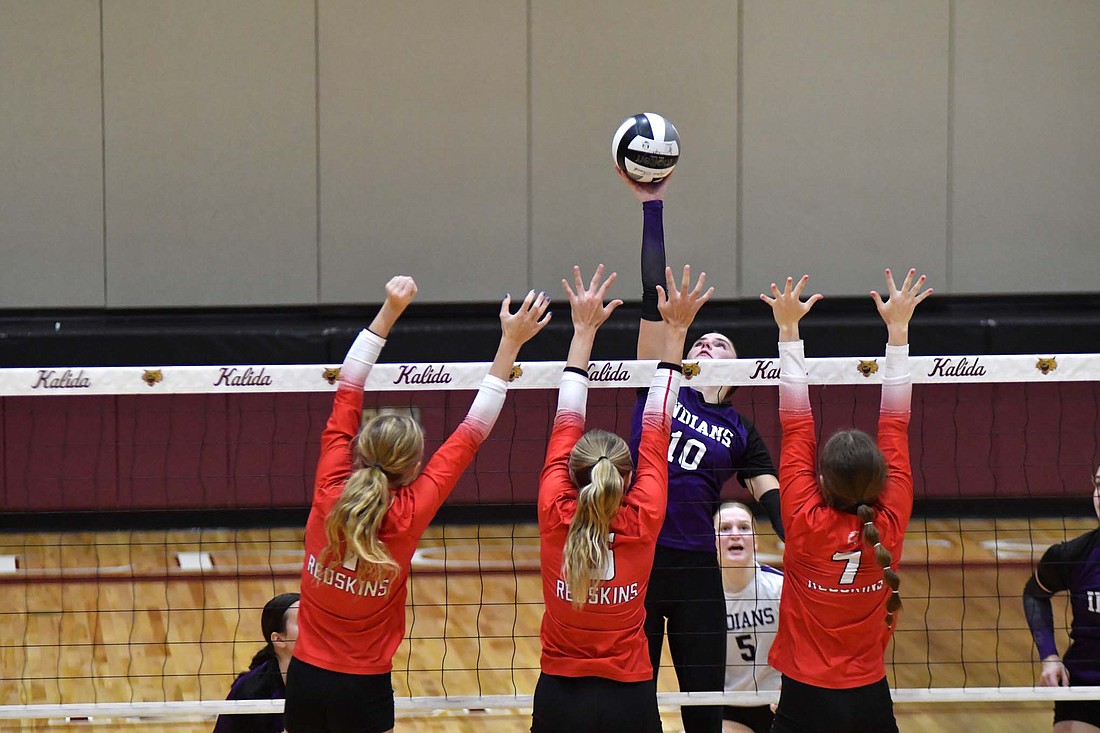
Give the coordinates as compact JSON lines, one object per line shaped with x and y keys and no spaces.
{"x":344,"y":624}
{"x":606,"y":637}
{"x":832,"y":613}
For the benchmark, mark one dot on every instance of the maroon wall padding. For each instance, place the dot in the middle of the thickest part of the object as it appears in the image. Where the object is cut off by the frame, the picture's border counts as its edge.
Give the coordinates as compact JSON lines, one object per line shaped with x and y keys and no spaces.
{"x":976,"y":441}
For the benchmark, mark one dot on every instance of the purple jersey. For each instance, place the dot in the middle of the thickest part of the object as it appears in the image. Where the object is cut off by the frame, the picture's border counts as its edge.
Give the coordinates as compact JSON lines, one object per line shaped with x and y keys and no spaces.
{"x":1074,"y":566}
{"x":710,"y":444}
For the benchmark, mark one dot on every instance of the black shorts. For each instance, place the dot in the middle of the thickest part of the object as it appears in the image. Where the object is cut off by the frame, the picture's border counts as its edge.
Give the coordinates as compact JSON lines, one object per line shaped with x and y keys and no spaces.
{"x":808,"y":709}
{"x":1083,"y":711}
{"x":758,"y":717}
{"x":594,"y":705}
{"x":321,"y":701}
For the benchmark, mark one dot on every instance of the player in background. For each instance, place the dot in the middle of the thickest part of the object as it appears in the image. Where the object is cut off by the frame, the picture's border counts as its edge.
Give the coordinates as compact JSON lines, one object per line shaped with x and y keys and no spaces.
{"x":1074,"y":567}
{"x":371,"y":504}
{"x":597,"y":532}
{"x":845,"y":509}
{"x":266,"y":675}
{"x":752,"y":617}
{"x":711,"y":443}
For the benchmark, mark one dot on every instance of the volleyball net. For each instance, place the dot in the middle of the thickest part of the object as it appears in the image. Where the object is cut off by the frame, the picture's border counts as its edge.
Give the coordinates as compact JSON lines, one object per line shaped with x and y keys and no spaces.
{"x":162,"y":621}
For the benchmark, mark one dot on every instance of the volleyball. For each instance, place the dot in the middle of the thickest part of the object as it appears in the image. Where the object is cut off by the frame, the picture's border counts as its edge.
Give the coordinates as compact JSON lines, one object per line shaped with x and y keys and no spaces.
{"x":646,"y":147}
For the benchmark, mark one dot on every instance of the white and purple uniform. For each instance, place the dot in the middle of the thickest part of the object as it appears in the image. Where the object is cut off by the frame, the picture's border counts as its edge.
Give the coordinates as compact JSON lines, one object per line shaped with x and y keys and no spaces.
{"x":752,"y":618}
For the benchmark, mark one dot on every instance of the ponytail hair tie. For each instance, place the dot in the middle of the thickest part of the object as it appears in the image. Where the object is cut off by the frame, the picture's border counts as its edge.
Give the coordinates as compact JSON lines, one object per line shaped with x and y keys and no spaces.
{"x":878,"y":545}
{"x":868,"y":524}
{"x":602,"y":458}
{"x":378,"y":466}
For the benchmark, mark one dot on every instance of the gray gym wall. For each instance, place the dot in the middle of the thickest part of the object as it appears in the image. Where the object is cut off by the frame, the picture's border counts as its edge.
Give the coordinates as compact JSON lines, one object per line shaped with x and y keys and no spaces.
{"x":255,"y":152}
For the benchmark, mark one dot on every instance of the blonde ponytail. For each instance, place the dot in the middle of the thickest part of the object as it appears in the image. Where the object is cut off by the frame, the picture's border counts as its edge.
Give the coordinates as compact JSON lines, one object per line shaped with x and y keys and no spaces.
{"x":599,"y":465}
{"x":387,"y":451}
{"x":883,"y":558}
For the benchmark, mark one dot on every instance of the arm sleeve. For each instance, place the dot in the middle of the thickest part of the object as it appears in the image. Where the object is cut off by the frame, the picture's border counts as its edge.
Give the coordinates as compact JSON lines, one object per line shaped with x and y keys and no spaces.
{"x":771,"y":503}
{"x":1040,"y":618}
{"x":568,"y":427}
{"x":448,"y":463}
{"x":650,"y":491}
{"x":334,"y":464}
{"x":897,"y":383}
{"x":798,"y":488}
{"x":893,"y":436}
{"x":573,"y":393}
{"x":653,"y":257}
{"x":1052,"y":575}
{"x":897,"y":494}
{"x":360,"y":359}
{"x":794,"y":390}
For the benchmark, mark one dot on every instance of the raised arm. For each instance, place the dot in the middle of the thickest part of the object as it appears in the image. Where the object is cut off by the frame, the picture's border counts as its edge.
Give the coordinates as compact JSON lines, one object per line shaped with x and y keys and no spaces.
{"x":400,"y":291}
{"x":678,"y":306}
{"x":588,"y":312}
{"x":797,"y":469}
{"x":788,"y":308}
{"x":516,"y":329}
{"x":896,"y":313}
{"x":651,"y":331}
{"x":347,"y":407}
{"x":447,"y":464}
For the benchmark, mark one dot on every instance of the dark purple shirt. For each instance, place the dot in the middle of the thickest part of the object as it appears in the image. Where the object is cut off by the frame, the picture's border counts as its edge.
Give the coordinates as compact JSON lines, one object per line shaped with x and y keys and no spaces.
{"x":709,"y":445}
{"x":1074,"y":566}
{"x":265,"y":682}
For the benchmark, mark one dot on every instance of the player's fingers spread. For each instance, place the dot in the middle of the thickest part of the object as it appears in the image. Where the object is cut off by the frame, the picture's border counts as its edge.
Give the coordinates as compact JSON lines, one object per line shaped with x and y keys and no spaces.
{"x":596,"y":278}
{"x":685,"y":279}
{"x":908,"y":282}
{"x":890,"y":287}
{"x":670,"y":284}
{"x":699,"y":285}
{"x":607,"y":283}
{"x":577,"y":278}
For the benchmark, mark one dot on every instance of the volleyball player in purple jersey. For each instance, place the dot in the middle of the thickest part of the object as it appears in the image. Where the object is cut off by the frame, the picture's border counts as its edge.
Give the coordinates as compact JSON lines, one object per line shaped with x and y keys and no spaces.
{"x":1072,"y":566}
{"x":711,"y":443}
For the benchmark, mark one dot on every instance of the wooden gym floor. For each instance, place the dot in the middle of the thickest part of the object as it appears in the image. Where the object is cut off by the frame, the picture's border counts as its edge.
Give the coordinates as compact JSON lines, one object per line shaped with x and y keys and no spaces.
{"x":152,"y":616}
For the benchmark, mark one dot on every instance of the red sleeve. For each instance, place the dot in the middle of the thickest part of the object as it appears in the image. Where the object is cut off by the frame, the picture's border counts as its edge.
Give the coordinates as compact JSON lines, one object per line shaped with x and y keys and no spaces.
{"x":650,"y":491}
{"x":432,"y":487}
{"x":798,"y":490}
{"x":896,"y":498}
{"x":334,"y":465}
{"x":555,"y":480}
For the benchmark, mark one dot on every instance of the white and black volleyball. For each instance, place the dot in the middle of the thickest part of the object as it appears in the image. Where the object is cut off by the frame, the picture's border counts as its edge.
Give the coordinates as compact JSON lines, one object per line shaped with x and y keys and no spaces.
{"x":646,"y":147}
